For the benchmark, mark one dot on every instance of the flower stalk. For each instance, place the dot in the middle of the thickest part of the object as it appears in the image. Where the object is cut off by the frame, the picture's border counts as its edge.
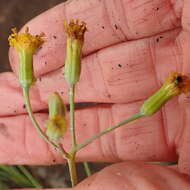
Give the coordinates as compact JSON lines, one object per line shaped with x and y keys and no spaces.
{"x":27,"y":44}
{"x":107,"y":130}
{"x":175,"y":84}
{"x":75,"y":39}
{"x":36,"y":125}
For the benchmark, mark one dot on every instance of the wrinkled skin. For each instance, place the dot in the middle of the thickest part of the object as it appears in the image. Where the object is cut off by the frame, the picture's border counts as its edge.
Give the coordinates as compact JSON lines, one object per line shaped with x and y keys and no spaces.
{"x":130,"y":47}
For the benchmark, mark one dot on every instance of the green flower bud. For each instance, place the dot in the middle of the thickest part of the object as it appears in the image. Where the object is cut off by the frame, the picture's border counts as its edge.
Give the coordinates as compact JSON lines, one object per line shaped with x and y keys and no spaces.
{"x":56,"y":125}
{"x":174,"y":85}
{"x":75,"y":38}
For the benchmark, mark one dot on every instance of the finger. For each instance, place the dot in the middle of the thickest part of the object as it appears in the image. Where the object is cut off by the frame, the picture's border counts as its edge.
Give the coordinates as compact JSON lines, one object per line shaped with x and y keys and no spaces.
{"x":136,"y":176}
{"x":109,"y":22}
{"x":182,"y":139}
{"x":122,"y":73}
{"x":136,"y":141}
{"x":11,"y":98}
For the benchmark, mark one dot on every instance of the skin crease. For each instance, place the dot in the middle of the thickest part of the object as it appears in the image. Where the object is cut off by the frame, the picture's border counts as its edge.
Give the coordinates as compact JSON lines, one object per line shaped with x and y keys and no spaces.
{"x":130,"y":47}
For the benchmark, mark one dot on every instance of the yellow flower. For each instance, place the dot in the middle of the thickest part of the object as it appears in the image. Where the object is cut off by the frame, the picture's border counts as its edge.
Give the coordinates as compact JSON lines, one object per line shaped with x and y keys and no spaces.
{"x":26,"y":44}
{"x":75,"y":38}
{"x":175,"y":84}
{"x":25,"y":41}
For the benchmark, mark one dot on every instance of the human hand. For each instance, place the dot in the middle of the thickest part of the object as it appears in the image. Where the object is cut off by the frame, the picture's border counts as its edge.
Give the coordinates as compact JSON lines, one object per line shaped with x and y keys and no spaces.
{"x":129,"y":49}
{"x":134,"y":175}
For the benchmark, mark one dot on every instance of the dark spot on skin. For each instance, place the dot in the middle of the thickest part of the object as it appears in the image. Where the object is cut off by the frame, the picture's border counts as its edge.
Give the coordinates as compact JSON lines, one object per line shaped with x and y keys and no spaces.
{"x":40,"y":79}
{"x":4,"y":131}
{"x":54,"y":161}
{"x":119,"y":65}
{"x":24,"y":106}
{"x":55,"y":37}
{"x":109,"y":96}
{"x":116,"y":27}
{"x":161,"y":37}
{"x":62,"y":92}
{"x":14,"y":111}
{"x":103,"y":27}
{"x":84,"y":125}
{"x":112,"y":68}
{"x":157,"y":39}
{"x":45,"y":63}
{"x":157,"y":8}
{"x":188,"y":97}
{"x":136,"y":33}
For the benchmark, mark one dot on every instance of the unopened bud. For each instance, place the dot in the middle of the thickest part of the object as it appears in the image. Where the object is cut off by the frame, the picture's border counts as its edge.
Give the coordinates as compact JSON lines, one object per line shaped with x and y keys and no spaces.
{"x":56,"y":124}
{"x":175,"y":84}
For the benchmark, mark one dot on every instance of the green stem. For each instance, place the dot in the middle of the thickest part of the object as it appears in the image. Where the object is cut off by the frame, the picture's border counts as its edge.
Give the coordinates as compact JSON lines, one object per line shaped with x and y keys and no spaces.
{"x":33,"y":181}
{"x":35,"y":123}
{"x":105,"y":131}
{"x":72,"y":169}
{"x":87,"y":169}
{"x":71,"y":159}
{"x":72,"y":114}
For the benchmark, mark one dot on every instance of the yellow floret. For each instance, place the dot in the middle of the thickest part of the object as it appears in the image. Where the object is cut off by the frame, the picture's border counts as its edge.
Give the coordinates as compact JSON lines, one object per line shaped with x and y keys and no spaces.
{"x":25,"y":41}
{"x":177,"y":83}
{"x":75,"y":30}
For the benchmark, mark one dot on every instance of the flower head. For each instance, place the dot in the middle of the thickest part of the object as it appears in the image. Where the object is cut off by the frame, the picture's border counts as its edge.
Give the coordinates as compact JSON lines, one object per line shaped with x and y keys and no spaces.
{"x":25,"y":41}
{"x":75,"y":38}
{"x":175,"y":84}
{"x":26,"y":44}
{"x":75,"y":30}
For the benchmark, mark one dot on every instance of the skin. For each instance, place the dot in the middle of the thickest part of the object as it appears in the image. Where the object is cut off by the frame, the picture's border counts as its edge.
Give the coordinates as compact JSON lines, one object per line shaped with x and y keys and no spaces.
{"x":130,"y":48}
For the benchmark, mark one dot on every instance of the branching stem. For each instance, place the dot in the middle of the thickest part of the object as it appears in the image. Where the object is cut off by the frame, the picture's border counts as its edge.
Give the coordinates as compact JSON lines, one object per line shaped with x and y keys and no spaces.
{"x":36,"y":125}
{"x":105,"y":131}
